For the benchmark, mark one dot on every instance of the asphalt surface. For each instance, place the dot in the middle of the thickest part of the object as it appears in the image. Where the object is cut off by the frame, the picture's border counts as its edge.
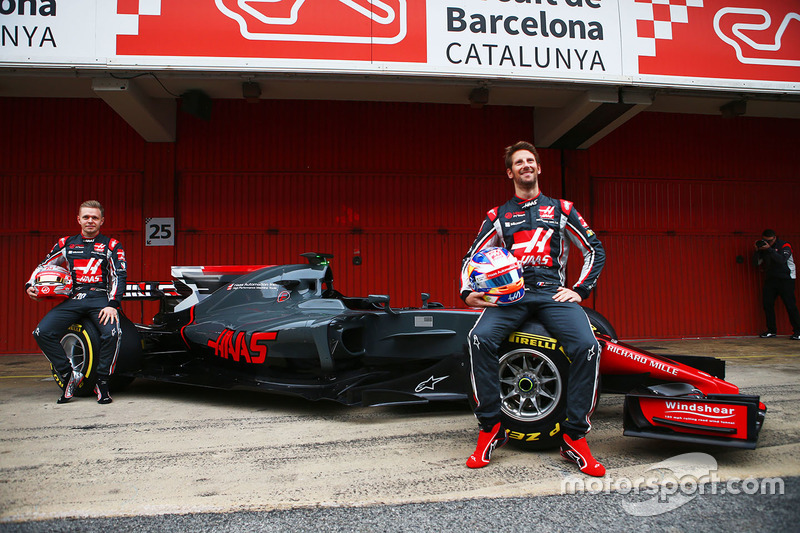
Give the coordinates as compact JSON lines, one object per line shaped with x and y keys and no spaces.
{"x":172,"y":458}
{"x":705,"y":512}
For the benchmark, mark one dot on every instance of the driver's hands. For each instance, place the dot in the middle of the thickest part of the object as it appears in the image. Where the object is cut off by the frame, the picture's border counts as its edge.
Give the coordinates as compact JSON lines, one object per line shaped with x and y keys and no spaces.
{"x":474,"y":299}
{"x":108,"y":314}
{"x":564,"y":294}
{"x":31,"y":292}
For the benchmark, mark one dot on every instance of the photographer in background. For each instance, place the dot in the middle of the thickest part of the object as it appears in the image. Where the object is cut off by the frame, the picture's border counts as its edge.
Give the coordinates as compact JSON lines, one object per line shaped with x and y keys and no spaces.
{"x":775,"y":256}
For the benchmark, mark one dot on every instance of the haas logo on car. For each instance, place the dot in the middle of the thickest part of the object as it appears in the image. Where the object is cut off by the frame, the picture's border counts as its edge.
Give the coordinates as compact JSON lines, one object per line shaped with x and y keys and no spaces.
{"x":235,"y":345}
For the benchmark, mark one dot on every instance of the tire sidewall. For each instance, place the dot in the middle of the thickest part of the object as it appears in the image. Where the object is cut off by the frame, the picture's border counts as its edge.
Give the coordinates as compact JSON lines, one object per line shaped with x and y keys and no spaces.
{"x":82,"y":344}
{"x":545,"y":432}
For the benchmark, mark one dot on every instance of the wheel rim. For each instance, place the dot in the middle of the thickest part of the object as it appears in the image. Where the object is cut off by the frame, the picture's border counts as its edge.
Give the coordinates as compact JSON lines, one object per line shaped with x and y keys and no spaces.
{"x":76,"y":351}
{"x":530,"y":385}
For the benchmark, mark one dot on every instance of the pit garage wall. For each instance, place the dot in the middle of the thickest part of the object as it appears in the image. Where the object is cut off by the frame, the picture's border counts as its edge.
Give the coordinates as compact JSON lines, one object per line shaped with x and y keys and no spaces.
{"x":679,"y":201}
{"x":402,"y":187}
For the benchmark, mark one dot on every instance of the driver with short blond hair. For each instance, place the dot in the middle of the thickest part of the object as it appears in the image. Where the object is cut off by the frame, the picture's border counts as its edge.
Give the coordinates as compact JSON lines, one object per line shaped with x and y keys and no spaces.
{"x":98,"y":267}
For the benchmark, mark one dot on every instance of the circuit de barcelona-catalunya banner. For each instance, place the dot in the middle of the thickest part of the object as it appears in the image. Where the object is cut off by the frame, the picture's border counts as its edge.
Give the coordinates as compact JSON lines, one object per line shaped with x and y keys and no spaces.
{"x":729,"y":44}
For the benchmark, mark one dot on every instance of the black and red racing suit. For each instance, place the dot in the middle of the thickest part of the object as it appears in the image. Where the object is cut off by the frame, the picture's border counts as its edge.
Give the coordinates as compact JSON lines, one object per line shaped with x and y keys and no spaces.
{"x":538,"y":232}
{"x":98,"y":269}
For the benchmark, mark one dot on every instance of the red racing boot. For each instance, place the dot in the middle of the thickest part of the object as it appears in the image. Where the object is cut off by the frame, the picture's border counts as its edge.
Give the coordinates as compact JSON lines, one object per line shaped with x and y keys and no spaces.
{"x":488,"y":441}
{"x":578,"y":452}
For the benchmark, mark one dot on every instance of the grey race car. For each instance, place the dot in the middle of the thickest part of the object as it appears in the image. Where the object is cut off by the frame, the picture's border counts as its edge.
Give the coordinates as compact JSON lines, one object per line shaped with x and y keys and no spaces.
{"x":286,"y":330}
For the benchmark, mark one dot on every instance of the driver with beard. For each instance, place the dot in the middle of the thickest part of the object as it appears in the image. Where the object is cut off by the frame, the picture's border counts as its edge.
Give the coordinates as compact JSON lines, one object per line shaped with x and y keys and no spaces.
{"x":538,"y":231}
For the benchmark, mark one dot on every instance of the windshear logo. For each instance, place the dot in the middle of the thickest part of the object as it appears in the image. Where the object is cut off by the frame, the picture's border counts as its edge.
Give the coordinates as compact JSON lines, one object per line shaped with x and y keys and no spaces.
{"x":731,"y":23}
{"x":358,"y":21}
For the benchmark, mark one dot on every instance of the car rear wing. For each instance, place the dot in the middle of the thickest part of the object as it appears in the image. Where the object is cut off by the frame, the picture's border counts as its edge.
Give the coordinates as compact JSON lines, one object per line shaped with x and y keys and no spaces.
{"x":150,"y":290}
{"x":190,"y":285}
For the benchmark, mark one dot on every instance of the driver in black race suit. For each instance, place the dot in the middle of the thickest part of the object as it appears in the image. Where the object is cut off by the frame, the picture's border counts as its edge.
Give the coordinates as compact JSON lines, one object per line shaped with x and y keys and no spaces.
{"x":98,"y":268}
{"x":536,"y":229}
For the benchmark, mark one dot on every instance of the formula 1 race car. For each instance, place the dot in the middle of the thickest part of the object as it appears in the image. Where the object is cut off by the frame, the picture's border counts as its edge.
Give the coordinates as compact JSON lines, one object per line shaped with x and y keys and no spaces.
{"x":286,"y":330}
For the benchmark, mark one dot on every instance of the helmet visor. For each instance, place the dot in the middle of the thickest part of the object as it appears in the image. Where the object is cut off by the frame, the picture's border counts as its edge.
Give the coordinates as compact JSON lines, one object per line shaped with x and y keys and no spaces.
{"x":50,"y":278}
{"x":486,"y":283}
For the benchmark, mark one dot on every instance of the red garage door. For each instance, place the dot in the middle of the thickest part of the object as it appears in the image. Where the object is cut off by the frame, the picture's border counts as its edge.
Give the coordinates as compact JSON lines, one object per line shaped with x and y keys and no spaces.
{"x":401,"y":238}
{"x":41,"y":208}
{"x":680,"y":252}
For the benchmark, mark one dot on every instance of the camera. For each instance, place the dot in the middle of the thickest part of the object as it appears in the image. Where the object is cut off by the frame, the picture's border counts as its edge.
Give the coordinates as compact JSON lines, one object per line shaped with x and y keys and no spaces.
{"x":760,"y":243}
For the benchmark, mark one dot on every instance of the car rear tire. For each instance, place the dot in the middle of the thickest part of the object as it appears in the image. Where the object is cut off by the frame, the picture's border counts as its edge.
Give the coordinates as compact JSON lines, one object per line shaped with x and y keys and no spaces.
{"x":600,"y":323}
{"x":81,"y":343}
{"x":82,"y":346}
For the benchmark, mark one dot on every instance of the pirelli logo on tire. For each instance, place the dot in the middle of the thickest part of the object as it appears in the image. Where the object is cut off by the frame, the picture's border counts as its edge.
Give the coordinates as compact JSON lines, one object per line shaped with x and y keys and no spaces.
{"x":536,"y":341}
{"x":535,"y":436}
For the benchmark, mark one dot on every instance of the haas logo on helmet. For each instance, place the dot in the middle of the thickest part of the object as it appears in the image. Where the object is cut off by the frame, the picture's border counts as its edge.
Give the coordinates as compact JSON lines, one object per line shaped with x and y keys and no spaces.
{"x":496,"y":274}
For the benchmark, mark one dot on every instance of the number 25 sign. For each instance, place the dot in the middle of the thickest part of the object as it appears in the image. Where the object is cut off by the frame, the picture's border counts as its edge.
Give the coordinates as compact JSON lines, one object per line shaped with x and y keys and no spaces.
{"x":159,"y":231}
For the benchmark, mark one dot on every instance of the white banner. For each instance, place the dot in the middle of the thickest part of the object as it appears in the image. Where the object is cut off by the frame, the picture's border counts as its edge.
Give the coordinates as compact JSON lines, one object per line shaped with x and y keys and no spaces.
{"x":732,"y":44}
{"x":577,"y":39}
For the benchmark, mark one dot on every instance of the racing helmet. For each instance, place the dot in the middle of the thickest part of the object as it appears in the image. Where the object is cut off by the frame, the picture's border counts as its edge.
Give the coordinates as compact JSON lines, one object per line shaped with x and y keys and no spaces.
{"x":496,"y":273}
{"x":52,"y":282}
